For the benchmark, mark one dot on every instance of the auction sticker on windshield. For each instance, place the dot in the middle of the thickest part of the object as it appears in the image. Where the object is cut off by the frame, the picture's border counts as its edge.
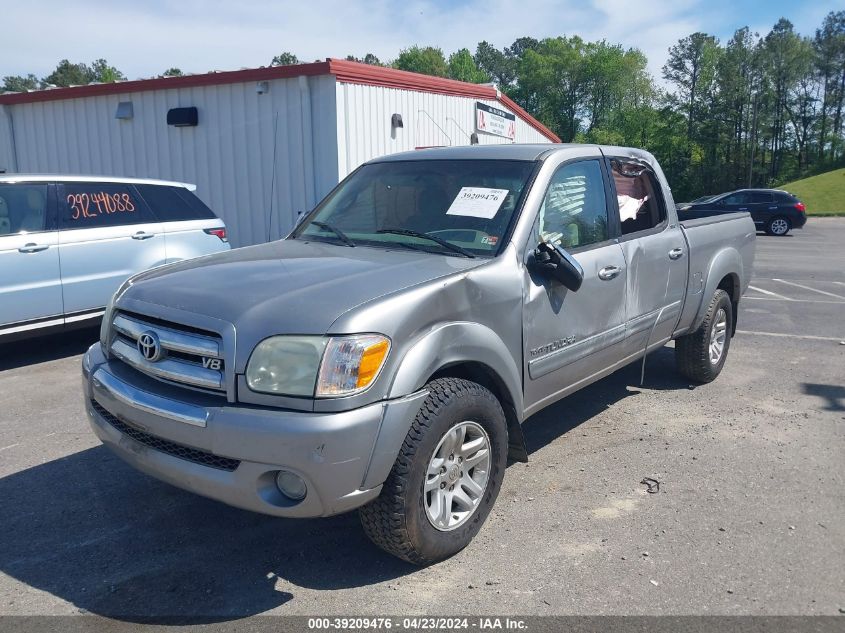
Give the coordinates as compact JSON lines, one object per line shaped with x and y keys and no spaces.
{"x":477,"y":202}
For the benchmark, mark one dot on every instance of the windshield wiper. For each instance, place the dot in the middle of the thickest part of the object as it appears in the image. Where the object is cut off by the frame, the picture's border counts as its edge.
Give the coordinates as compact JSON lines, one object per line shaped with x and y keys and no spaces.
{"x":333,"y":229}
{"x":452,"y":247}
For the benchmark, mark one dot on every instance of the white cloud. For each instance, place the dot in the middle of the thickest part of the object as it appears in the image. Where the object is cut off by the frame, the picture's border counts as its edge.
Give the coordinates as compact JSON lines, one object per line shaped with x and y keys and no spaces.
{"x":143,"y":39}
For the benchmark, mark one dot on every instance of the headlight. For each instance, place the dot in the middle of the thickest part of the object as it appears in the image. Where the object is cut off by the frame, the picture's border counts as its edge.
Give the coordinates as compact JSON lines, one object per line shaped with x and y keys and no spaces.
{"x":316,"y":366}
{"x":351,"y":363}
{"x":286,"y":365}
{"x":105,"y":325}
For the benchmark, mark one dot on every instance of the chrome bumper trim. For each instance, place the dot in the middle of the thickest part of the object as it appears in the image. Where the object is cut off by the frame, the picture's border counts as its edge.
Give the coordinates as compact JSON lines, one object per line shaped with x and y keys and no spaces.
{"x":148,"y":402}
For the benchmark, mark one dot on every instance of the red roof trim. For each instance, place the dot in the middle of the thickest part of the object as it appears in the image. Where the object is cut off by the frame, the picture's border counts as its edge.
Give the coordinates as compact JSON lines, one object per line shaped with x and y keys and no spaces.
{"x":354,"y":72}
{"x":344,"y":71}
{"x":166,"y":83}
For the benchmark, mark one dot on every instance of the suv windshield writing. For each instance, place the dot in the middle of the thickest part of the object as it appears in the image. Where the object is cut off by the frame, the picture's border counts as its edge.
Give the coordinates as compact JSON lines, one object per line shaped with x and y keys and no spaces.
{"x":469,"y":204}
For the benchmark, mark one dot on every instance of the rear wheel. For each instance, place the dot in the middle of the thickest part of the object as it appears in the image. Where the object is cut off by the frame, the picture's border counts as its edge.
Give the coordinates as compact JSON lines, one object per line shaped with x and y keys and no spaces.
{"x":778,"y":225}
{"x":446,"y":478}
{"x":701,"y":355}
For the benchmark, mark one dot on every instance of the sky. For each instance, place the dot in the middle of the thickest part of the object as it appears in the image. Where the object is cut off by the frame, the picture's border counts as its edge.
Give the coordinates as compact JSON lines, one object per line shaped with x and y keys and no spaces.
{"x":145,"y":38}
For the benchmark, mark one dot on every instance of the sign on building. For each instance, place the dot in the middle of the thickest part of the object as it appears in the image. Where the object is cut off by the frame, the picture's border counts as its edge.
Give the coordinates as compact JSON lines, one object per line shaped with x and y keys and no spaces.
{"x":494,"y":121}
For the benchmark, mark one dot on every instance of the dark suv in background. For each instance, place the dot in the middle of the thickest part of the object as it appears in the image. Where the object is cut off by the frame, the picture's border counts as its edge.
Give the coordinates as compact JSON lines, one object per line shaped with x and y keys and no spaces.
{"x":776,"y":212}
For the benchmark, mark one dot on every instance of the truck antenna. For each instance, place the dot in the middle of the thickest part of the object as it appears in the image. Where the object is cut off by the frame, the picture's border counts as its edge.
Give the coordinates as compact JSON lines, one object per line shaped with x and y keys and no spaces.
{"x":647,"y":343}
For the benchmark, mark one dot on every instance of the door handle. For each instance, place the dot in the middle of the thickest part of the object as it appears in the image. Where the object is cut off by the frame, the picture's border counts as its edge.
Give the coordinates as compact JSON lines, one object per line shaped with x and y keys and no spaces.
{"x":676,"y":253}
{"x":772,"y":208}
{"x":140,"y":235}
{"x":743,"y":209}
{"x":609,"y":272}
{"x":32,"y":247}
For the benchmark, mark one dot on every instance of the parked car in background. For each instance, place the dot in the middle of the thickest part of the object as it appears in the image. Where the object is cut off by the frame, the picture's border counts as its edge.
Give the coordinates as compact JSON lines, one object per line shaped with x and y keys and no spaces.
{"x":774,"y":211}
{"x":68,"y":242}
{"x":384,"y":355}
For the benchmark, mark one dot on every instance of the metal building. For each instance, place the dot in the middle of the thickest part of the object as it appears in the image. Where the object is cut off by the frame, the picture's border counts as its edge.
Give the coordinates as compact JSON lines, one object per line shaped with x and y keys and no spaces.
{"x":263,"y":144}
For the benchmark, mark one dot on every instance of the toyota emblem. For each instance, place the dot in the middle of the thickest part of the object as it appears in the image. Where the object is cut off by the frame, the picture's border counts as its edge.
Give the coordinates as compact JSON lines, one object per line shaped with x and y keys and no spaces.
{"x":149,"y":346}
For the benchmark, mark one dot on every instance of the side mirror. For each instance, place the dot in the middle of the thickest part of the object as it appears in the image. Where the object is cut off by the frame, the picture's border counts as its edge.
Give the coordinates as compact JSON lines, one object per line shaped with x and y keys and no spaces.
{"x":559,"y":265}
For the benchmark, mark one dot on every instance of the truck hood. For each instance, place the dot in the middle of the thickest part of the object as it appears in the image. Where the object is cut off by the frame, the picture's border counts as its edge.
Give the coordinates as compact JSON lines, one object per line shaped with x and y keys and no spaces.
{"x":289,"y":286}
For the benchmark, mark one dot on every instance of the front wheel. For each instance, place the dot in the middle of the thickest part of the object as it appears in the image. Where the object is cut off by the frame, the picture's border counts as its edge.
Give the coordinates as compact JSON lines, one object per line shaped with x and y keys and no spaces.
{"x":446,"y":478}
{"x":778,"y":226}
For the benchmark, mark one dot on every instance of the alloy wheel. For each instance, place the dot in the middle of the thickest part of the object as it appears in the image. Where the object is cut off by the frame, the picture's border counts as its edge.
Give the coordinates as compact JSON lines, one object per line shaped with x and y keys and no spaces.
{"x":718,"y":336}
{"x":457,"y":476}
{"x":779,"y":226}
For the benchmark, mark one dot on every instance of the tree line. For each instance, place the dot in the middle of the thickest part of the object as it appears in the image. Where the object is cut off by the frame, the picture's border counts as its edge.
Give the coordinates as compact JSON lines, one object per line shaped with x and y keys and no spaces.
{"x":756,"y":110}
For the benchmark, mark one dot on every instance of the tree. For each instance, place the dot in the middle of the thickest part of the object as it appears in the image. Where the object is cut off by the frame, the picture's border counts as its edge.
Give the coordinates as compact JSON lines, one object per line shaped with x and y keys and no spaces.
{"x":522,"y":44}
{"x":691,"y":67}
{"x":737,"y":82}
{"x":463,"y":68}
{"x":802,"y":100}
{"x":285,"y":59}
{"x":608,"y":69}
{"x":495,"y":64}
{"x":103,"y":73}
{"x":829,"y":48}
{"x":369,"y":58}
{"x":785,"y":61}
{"x":68,"y":74}
{"x":19,"y":83}
{"x":553,"y":83}
{"x":427,"y":60}
{"x":172,"y":72}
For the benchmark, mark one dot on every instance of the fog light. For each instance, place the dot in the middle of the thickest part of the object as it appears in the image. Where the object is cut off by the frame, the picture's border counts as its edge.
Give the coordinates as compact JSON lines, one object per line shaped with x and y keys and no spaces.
{"x":291,"y":485}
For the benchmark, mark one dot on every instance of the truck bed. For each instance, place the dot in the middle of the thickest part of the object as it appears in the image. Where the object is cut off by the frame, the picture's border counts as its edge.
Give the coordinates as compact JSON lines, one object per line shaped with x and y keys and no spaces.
{"x":715,"y":245}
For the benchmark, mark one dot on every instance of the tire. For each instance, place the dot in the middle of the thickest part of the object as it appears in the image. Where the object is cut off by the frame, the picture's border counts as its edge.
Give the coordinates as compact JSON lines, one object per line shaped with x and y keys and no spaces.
{"x":397,"y":520}
{"x":694,"y":353}
{"x":779,"y":226}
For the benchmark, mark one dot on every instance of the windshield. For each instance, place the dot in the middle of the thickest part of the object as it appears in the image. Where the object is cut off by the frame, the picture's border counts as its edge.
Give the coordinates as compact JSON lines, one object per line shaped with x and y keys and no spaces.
{"x":451,"y":207}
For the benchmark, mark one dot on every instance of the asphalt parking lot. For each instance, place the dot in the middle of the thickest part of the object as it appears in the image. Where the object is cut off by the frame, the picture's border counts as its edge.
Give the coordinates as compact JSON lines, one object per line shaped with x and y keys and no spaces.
{"x":749,"y":518}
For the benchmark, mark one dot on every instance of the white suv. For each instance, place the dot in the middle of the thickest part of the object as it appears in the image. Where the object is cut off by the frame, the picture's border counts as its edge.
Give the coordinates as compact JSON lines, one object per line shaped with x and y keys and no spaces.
{"x":68,"y":242}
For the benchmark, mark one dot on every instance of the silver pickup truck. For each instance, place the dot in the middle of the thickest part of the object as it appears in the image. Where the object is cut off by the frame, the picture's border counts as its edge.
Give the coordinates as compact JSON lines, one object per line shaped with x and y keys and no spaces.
{"x":385,"y":354}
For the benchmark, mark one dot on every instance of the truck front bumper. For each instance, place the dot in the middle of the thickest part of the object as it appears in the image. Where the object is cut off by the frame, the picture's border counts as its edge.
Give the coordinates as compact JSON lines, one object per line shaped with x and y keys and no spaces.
{"x":232,"y":453}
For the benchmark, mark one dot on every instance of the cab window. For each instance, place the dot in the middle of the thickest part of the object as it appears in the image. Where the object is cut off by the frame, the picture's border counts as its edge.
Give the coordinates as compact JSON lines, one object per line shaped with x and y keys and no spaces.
{"x":574,"y":210}
{"x":94,"y":205}
{"x":638,"y":197}
{"x":23,"y":208}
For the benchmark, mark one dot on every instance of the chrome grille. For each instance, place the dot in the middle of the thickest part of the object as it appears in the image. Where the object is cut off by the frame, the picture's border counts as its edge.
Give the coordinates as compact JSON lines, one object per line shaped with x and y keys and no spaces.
{"x":188,"y":357}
